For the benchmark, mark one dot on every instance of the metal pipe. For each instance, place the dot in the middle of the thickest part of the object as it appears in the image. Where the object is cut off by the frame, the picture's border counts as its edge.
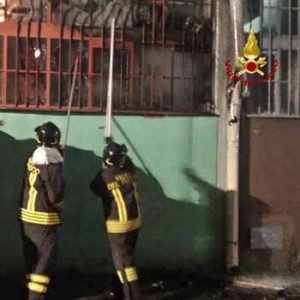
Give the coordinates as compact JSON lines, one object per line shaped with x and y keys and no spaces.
{"x":107,"y":132}
{"x":71,"y":101}
{"x":232,"y":147}
{"x":236,"y":15}
{"x":37,"y":54}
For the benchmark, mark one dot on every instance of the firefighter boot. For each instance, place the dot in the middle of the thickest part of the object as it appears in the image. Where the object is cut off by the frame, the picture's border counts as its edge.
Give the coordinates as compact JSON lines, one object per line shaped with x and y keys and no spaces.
{"x":132,"y":291}
{"x":116,"y":290}
{"x":36,"y":296}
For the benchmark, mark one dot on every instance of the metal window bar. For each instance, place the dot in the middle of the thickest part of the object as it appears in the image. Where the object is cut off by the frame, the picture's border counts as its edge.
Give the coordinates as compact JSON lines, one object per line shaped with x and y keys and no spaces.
{"x":298,"y":54}
{"x":26,"y":64}
{"x":48,"y":67}
{"x":290,"y":100}
{"x":4,"y":83}
{"x":59,"y":91}
{"x":269,"y":60}
{"x":142,"y":69}
{"x":277,"y":86}
{"x":261,"y":12}
{"x":17,"y":40}
{"x":79,"y":82}
{"x":102,"y":68}
{"x":38,"y":80}
{"x":71,"y":62}
{"x":90,"y":71}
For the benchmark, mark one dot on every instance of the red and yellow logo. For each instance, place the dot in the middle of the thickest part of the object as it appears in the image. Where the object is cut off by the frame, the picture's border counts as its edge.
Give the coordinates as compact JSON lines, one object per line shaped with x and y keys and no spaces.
{"x":251,"y":51}
{"x":251,"y":63}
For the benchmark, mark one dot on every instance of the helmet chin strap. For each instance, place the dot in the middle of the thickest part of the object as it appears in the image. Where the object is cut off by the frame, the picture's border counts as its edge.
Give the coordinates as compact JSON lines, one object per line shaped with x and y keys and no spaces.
{"x":108,"y":162}
{"x":37,"y":139}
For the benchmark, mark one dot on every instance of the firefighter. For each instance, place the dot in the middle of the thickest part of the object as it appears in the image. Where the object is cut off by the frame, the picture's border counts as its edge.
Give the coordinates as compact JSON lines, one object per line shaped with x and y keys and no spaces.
{"x":40,"y":205}
{"x":116,"y":185}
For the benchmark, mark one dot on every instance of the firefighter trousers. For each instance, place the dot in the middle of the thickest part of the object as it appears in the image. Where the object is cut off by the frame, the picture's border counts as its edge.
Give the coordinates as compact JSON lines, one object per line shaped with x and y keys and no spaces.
{"x":122,"y":247}
{"x":39,"y":247}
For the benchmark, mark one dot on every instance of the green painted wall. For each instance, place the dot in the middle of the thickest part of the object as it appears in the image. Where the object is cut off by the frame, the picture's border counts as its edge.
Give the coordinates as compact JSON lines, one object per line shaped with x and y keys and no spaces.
{"x":176,"y":160}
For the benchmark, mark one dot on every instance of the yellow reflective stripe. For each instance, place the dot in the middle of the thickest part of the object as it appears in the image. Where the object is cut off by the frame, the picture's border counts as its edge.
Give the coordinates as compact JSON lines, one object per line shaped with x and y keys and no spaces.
{"x":114,"y":226}
{"x":120,"y":276}
{"x":39,"y":278}
{"x":130,"y":270}
{"x":39,"y":214}
{"x":131,"y":278}
{"x":123,"y":205}
{"x":117,"y":223}
{"x":131,"y":274}
{"x":36,"y":287}
{"x":32,"y":191}
{"x":119,"y":204}
{"x":41,"y":218}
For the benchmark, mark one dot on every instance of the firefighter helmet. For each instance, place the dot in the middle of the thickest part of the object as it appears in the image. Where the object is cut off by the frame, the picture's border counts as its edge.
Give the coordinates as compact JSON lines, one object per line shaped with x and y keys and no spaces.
{"x":114,"y":154}
{"x":48,"y":134}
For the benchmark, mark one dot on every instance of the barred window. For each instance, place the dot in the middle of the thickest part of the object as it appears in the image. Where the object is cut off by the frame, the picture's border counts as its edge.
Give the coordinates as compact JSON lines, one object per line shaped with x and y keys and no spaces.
{"x":162,"y":56}
{"x":276,"y":24}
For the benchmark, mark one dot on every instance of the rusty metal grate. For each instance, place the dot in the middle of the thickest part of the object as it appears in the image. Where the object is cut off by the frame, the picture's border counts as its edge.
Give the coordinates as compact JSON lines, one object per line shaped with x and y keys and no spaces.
{"x":163,"y":56}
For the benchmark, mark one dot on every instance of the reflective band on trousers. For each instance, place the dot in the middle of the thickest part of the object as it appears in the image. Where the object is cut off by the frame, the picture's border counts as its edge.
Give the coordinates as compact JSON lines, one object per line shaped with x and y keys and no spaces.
{"x":41,"y":218}
{"x":37,"y":287}
{"x":114,"y":226}
{"x":130,"y":273}
{"x":38,"y":278}
{"x":120,"y":276}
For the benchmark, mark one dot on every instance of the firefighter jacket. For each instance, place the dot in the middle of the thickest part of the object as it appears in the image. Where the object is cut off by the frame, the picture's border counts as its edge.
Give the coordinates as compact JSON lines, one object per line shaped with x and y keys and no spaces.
{"x":43,"y":188}
{"x":118,"y":190}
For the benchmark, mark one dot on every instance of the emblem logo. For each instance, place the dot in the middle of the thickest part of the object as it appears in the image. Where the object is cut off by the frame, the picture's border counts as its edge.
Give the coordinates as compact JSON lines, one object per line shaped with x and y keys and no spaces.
{"x":251,"y":51}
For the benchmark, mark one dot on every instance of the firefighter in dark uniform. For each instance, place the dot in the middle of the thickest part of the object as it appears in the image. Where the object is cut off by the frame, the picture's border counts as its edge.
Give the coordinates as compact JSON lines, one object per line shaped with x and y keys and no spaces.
{"x":116,"y":185}
{"x":40,"y":205}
